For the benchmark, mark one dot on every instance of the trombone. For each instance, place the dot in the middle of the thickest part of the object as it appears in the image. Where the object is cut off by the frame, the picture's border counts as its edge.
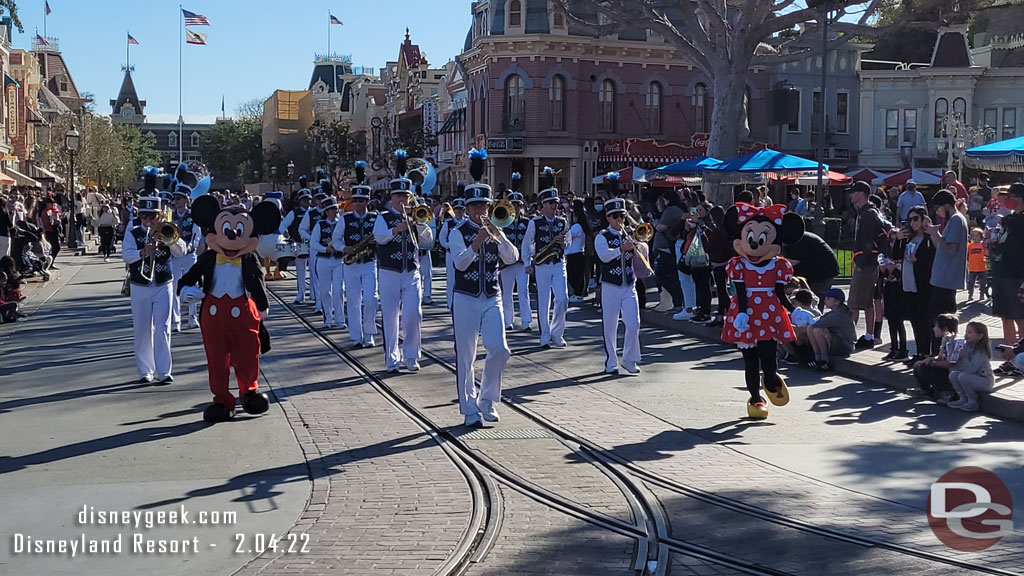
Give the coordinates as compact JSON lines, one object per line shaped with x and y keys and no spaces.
{"x":639,"y":233}
{"x":161,"y":231}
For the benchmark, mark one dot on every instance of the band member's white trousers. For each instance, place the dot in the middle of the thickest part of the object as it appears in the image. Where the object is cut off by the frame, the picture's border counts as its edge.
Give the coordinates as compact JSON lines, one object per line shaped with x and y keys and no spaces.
{"x":551,"y":285}
{"x":329,"y":275}
{"x":151,"y":323}
{"x":449,"y":277}
{"x":179,"y":266}
{"x":300,"y":279}
{"x":400,"y":296}
{"x":512,"y":277}
{"x":314,"y":282}
{"x":361,"y":298}
{"x":615,"y":301}
{"x":426,"y":276}
{"x":474,"y":317}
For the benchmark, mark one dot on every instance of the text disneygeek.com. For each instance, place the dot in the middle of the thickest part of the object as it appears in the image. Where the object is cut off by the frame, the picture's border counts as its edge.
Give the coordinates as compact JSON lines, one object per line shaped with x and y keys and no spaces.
{"x":138,"y":542}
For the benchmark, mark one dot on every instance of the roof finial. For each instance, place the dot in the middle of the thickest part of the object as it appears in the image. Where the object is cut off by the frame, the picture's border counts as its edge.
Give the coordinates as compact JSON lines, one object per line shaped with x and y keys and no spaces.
{"x":407,"y":34}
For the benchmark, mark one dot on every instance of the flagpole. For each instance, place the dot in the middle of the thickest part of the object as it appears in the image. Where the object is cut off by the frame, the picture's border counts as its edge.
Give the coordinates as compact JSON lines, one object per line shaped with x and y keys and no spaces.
{"x":328,"y":33}
{"x":128,"y":53}
{"x":44,"y":20}
{"x":181,"y":46}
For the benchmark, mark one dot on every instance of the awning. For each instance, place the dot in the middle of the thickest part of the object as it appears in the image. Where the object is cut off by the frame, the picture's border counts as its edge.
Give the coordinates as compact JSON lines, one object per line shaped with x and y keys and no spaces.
{"x":40,"y":173}
{"x":451,"y":124}
{"x":22,"y":179}
{"x":6,"y":180}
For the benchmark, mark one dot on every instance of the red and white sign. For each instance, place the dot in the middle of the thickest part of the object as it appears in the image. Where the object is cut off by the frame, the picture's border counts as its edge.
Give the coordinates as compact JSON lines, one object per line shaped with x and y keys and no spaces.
{"x":637,"y":150}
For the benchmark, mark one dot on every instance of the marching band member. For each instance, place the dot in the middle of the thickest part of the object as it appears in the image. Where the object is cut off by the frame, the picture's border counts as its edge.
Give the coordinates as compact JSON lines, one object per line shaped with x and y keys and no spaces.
{"x":515,"y":274}
{"x":269,"y":242}
{"x":398,"y":243}
{"x":548,"y":235}
{"x":355,"y":232}
{"x":313,"y":215}
{"x":328,"y":265}
{"x":149,"y":270}
{"x":478,"y":247}
{"x":616,"y":249}
{"x":426,"y":264}
{"x":290,"y":228}
{"x":459,"y":209}
{"x":190,"y":235}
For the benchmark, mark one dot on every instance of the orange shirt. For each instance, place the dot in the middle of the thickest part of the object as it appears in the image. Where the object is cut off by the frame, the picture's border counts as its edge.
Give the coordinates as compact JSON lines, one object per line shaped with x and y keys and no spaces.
{"x":976,"y":253}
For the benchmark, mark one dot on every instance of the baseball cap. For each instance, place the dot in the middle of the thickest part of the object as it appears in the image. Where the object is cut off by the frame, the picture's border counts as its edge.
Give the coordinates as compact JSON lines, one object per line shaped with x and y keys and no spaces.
{"x":859,"y":186}
{"x":836,"y":293}
{"x":911,"y":182}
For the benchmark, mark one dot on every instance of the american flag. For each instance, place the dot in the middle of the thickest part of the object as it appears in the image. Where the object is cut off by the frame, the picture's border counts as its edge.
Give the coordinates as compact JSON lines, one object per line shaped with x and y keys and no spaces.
{"x":132,"y":40}
{"x":42,"y":41}
{"x":195,"y":37}
{"x":193,"y":19}
{"x":334,"y":19}
{"x":47,"y":2}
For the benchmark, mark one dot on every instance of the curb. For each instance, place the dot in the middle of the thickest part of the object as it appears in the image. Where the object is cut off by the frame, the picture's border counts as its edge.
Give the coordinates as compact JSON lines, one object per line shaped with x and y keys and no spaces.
{"x":879,"y":374}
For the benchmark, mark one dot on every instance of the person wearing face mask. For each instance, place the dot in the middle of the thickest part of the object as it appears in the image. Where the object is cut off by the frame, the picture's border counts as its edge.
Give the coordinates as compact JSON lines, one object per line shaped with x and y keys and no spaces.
{"x":1008,"y":267}
{"x":444,"y":237}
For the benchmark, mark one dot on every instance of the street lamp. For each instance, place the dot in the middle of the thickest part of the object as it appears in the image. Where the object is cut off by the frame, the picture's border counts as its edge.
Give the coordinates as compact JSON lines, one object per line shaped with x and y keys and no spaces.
{"x":71,"y":140}
{"x":273,"y":177}
{"x":291,"y":181}
{"x":958,"y":134}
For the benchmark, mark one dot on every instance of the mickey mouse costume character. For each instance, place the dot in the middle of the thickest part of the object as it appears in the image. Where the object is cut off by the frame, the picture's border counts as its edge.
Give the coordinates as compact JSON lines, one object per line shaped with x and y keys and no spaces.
{"x":758,"y":317}
{"x":234,"y":300}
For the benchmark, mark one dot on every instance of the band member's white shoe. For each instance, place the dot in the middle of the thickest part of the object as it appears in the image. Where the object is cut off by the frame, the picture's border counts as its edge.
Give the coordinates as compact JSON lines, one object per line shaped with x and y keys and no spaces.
{"x":343,"y":326}
{"x":412,"y":365}
{"x":614,"y":370}
{"x":487,"y":410}
{"x":393,"y":369}
{"x":177,"y":327}
{"x":326,"y":325}
{"x":193,"y":322}
{"x":558,"y":343}
{"x":368,"y":343}
{"x":473,"y":421}
{"x":631,"y":368}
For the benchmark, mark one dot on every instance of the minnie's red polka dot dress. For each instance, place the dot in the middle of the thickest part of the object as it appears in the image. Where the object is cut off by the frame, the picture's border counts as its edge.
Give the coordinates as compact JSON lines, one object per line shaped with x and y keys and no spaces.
{"x":768,"y":318}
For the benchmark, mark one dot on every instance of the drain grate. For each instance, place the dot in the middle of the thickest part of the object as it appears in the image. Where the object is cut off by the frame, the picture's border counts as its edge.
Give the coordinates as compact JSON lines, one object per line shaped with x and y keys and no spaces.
{"x":506,"y":434}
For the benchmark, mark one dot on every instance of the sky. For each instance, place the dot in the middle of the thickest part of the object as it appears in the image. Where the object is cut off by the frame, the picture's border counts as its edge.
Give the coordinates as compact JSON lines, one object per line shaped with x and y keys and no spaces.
{"x":253,"y":46}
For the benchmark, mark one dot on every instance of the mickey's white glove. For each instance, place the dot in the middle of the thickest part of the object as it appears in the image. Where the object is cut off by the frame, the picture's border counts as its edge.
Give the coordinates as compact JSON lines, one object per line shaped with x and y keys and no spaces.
{"x":741,"y":322}
{"x":190,"y":294}
{"x":263,"y":315}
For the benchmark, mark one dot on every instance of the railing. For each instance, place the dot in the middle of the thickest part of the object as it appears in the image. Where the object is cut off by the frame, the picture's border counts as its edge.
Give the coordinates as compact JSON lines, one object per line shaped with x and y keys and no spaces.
{"x":51,"y":44}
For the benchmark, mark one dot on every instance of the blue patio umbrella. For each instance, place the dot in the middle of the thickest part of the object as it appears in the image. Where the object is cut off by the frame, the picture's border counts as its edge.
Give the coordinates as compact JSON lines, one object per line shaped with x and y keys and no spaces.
{"x":691,"y":166}
{"x":1005,"y":155}
{"x":766,"y":161}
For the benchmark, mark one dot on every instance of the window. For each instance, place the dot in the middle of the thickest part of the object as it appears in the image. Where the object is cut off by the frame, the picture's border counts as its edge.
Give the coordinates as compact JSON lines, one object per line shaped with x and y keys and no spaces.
{"x":910,"y":126}
{"x":607,"y":100}
{"x":960,"y":108}
{"x":556,"y":98}
{"x":172,"y":139}
{"x":700,"y":107}
{"x":558,"y":19}
{"x":194,"y":140}
{"x":941,"y":111}
{"x":991,"y":117}
{"x":795,"y":128}
{"x":654,"y":108}
{"x":816,"y":112}
{"x":514,"y":102}
{"x":515,"y":13}
{"x":892,"y":129}
{"x":1009,"y":123}
{"x":843,"y":112}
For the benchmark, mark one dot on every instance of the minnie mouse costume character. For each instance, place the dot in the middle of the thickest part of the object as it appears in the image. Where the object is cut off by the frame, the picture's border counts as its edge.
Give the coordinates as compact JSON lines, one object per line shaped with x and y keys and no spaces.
{"x":758,"y":317}
{"x":234,"y":300}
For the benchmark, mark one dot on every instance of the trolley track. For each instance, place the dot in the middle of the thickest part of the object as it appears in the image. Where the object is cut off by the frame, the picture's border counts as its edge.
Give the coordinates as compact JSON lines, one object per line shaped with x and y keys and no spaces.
{"x":650,"y":529}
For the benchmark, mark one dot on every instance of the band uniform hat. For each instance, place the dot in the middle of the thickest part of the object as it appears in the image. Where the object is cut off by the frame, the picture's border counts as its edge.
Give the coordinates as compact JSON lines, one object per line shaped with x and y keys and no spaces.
{"x":167,"y":196}
{"x":459,"y":204}
{"x":515,"y":196}
{"x":304,"y":193}
{"x":836,"y":293}
{"x":183,"y":190}
{"x":477,"y":191}
{"x":943,"y":197}
{"x":273,"y":195}
{"x":360,"y":190}
{"x":547,"y":184}
{"x":401,"y":184}
{"x":330,"y":203}
{"x":858,"y":186}
{"x":614,"y":206}
{"x":149,"y":204}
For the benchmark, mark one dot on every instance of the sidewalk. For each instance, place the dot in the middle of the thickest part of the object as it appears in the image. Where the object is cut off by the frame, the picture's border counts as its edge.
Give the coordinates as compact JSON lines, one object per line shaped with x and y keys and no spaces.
{"x":1006,"y":401}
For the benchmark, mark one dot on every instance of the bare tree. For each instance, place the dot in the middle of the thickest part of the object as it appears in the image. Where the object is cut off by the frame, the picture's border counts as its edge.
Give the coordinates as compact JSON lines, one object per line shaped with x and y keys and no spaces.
{"x":724,"y":38}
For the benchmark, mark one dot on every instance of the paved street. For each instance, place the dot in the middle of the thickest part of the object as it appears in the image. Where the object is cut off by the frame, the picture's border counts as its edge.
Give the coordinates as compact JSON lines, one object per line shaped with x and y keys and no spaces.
{"x":585,"y":474}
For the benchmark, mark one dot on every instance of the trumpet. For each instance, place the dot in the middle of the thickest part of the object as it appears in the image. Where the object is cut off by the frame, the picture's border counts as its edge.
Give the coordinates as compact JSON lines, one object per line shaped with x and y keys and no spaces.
{"x":639,"y":233}
{"x":502,"y":214}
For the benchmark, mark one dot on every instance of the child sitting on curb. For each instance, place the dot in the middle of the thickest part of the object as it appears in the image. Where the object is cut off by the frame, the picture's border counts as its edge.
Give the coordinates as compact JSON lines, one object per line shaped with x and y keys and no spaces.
{"x":802,"y":317}
{"x":834,"y":333}
{"x":972,"y":372}
{"x":932,"y":374}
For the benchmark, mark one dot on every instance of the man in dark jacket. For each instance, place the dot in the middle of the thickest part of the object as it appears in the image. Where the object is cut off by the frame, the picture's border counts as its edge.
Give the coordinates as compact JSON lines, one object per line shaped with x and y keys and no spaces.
{"x":869,"y":235}
{"x":813,"y":260}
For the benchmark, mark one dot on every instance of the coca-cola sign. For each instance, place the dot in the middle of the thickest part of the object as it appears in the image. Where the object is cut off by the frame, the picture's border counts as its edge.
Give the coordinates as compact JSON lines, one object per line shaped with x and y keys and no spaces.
{"x":640,"y":148}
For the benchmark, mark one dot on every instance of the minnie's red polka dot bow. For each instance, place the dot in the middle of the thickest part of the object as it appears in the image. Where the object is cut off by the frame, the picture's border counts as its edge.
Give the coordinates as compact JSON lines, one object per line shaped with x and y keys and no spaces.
{"x":775,"y":212}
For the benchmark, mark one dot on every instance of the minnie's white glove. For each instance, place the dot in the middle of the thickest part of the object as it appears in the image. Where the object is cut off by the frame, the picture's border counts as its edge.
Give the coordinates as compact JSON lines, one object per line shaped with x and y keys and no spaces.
{"x":741,"y":322}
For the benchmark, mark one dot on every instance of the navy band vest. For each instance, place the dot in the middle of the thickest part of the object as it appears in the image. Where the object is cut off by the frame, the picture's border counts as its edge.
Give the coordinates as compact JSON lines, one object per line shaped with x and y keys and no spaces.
{"x":401,"y":254}
{"x":515,"y":233}
{"x":326,"y":235}
{"x":545,"y":232}
{"x":293,"y":228}
{"x":620,"y":270}
{"x":184,"y":223}
{"x":356,"y":230}
{"x":315,"y":215}
{"x":482,"y":275}
{"x":161,"y":261}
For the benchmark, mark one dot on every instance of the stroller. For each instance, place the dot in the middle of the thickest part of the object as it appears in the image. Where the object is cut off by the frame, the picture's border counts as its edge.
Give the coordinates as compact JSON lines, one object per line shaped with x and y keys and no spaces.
{"x":30,"y":250}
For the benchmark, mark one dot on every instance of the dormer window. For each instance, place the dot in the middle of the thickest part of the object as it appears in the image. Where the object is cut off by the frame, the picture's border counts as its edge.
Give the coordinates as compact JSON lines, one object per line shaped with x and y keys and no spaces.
{"x":515,"y":14}
{"x":172,"y":139}
{"x":194,"y":140}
